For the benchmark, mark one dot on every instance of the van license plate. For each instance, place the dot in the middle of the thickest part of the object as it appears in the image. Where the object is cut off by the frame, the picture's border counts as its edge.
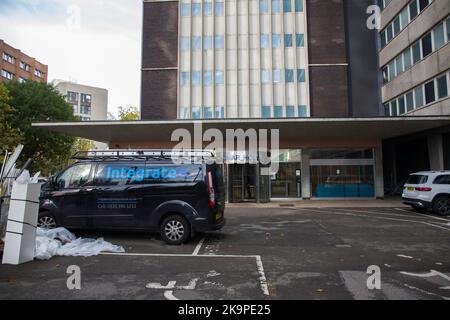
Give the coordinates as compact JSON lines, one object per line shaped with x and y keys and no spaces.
{"x":218,"y":215}
{"x":410,"y":188}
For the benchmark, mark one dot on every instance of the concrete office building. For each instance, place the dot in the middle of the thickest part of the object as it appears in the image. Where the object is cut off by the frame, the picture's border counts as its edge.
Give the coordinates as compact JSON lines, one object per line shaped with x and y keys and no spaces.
{"x":415,"y":67}
{"x":89,"y":103}
{"x":16,"y":65}
{"x":308,"y":68}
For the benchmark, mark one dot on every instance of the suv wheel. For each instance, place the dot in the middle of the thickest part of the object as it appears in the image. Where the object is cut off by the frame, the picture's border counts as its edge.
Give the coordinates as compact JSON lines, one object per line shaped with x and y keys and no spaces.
{"x":46,"y":221}
{"x":441,"y":206}
{"x":175,"y":230}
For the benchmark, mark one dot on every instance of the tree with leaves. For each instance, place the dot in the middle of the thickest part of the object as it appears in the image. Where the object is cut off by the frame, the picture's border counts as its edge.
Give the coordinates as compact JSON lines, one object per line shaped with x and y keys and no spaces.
{"x":129,"y":113}
{"x":9,"y":135}
{"x":38,"y":102}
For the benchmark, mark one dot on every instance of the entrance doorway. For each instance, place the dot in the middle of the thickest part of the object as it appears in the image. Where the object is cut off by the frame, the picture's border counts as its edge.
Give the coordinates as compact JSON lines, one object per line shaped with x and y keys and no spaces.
{"x":286,"y":183}
{"x":243,"y":183}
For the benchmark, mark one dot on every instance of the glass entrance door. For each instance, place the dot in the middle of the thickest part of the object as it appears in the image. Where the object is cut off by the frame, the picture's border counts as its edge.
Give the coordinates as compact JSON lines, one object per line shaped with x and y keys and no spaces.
{"x":286,"y":182}
{"x":243,"y":183}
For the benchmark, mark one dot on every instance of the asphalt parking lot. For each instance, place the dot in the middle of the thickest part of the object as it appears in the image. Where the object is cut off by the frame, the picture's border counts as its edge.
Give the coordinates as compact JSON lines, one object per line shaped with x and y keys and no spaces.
{"x":262,"y":253}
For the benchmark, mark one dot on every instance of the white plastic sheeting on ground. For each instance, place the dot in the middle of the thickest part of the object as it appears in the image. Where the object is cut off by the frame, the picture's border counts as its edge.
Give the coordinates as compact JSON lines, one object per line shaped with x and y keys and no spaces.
{"x":61,"y":242}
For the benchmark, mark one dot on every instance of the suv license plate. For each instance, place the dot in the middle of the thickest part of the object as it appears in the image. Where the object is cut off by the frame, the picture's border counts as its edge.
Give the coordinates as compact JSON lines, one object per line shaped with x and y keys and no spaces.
{"x":410,"y":188}
{"x":218,"y":215}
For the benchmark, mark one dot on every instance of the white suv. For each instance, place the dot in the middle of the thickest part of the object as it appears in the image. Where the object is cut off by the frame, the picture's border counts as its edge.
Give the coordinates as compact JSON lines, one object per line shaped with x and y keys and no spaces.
{"x":428,"y":190}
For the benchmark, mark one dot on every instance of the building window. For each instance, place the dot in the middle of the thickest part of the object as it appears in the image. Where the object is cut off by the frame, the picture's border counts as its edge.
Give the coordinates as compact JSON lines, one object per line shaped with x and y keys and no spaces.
{"x":277,"y":76}
{"x":38,"y":73}
{"x":290,"y":111}
{"x":22,"y":80}
{"x":207,"y":78}
{"x":302,"y":111}
{"x":24,"y":66}
{"x":196,"y":43}
{"x":208,"y":112}
{"x":72,"y":96}
{"x":220,"y":8}
{"x":196,"y":9}
{"x":219,"y":42}
{"x":418,"y":94}
{"x":409,"y":101}
{"x":265,"y":41}
{"x":264,"y":6}
{"x":184,"y":79}
{"x":85,"y":110}
{"x":220,"y":112}
{"x":185,"y":43}
{"x":207,"y":43}
{"x":399,"y":65}
{"x":276,"y":7}
{"x":185,"y":9}
{"x":287,"y":6}
{"x":86,"y":98}
{"x":196,"y":112}
{"x":416,"y":53}
{"x":413,"y":10}
{"x":391,"y":68}
{"x":401,"y":105}
{"x":265,"y":76}
{"x":429,"y":92}
{"x":298,"y":5}
{"x":278,"y":112}
{"x":75,"y":108}
{"x":404,"y":16}
{"x":407,"y":58}
{"x":9,"y":58}
{"x":289,"y":76}
{"x":265,"y":112}
{"x":7,"y":75}
{"x":220,"y":78}
{"x":276,"y":40}
{"x":288,"y":40}
{"x":439,"y":36}
{"x":207,"y":8}
{"x":442,"y":87}
{"x":301,"y":75}
{"x":184,"y":113}
{"x":300,"y":40}
{"x":196,"y":78}
{"x":427,"y":45}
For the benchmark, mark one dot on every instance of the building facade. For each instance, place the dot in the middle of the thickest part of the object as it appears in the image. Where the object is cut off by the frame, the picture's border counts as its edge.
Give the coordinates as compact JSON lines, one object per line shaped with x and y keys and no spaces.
{"x":15,"y":65}
{"x":89,"y":103}
{"x":415,"y":68}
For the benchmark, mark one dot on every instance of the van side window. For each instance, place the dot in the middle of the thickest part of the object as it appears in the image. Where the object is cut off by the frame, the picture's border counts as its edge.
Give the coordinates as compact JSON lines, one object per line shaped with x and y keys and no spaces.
{"x":74,"y":177}
{"x":442,"y":180}
{"x":120,"y":174}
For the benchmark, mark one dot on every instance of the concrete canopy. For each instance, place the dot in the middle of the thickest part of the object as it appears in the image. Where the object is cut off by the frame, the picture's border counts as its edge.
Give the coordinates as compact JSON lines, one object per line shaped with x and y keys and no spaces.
{"x":307,"y":130}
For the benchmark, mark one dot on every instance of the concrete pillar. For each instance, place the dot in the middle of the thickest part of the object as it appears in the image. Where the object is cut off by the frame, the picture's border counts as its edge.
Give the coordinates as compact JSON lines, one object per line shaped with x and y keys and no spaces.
{"x":436,"y":152}
{"x":378,"y":172}
{"x":306,"y":175}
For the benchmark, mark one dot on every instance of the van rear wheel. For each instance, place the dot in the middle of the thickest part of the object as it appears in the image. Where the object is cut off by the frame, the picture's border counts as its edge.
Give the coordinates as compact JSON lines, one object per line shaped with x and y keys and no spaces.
{"x":175,"y":229}
{"x":46,"y":221}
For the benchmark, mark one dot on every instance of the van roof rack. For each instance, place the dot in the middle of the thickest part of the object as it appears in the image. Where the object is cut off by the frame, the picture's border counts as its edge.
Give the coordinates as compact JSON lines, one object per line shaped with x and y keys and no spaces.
{"x":143,"y":154}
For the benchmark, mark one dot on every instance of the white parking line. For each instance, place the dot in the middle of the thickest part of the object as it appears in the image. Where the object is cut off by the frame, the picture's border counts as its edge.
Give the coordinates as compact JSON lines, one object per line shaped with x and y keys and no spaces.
{"x":198,"y":247}
{"x":422,"y":215}
{"x":349,"y":213}
{"x":259,"y":264}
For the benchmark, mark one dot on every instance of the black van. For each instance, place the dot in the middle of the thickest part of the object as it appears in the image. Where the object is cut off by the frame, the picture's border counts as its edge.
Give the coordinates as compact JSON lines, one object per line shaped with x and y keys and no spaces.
{"x":137,"y":190}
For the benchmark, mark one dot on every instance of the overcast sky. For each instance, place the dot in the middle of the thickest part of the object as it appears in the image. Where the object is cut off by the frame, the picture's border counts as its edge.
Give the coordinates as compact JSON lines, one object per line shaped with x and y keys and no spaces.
{"x":91,"y":42}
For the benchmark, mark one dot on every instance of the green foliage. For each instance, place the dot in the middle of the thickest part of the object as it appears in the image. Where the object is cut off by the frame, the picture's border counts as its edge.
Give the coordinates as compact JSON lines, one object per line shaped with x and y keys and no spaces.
{"x":9,"y":135}
{"x":39,"y":102}
{"x":129,"y":113}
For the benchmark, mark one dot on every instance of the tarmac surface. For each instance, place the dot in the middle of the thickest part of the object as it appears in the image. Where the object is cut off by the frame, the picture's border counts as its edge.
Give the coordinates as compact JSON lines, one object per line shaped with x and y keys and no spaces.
{"x":262,"y":253}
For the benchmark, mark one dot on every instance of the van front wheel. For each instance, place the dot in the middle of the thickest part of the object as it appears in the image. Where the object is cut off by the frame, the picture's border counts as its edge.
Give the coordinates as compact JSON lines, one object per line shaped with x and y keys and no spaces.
{"x":175,"y":229}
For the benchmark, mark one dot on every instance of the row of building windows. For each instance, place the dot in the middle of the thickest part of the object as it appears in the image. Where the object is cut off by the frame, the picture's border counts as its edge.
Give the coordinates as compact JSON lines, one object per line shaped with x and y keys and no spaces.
{"x":409,"y":13}
{"x":423,"y":95}
{"x":7,"y":75}
{"x":196,"y":8}
{"x":73,"y":97}
{"x":383,"y":3}
{"x":218,"y":42}
{"x":431,"y":42}
{"x":83,"y":109}
{"x":267,"y":112}
{"x":10,"y":59}
{"x":218,"y":77}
